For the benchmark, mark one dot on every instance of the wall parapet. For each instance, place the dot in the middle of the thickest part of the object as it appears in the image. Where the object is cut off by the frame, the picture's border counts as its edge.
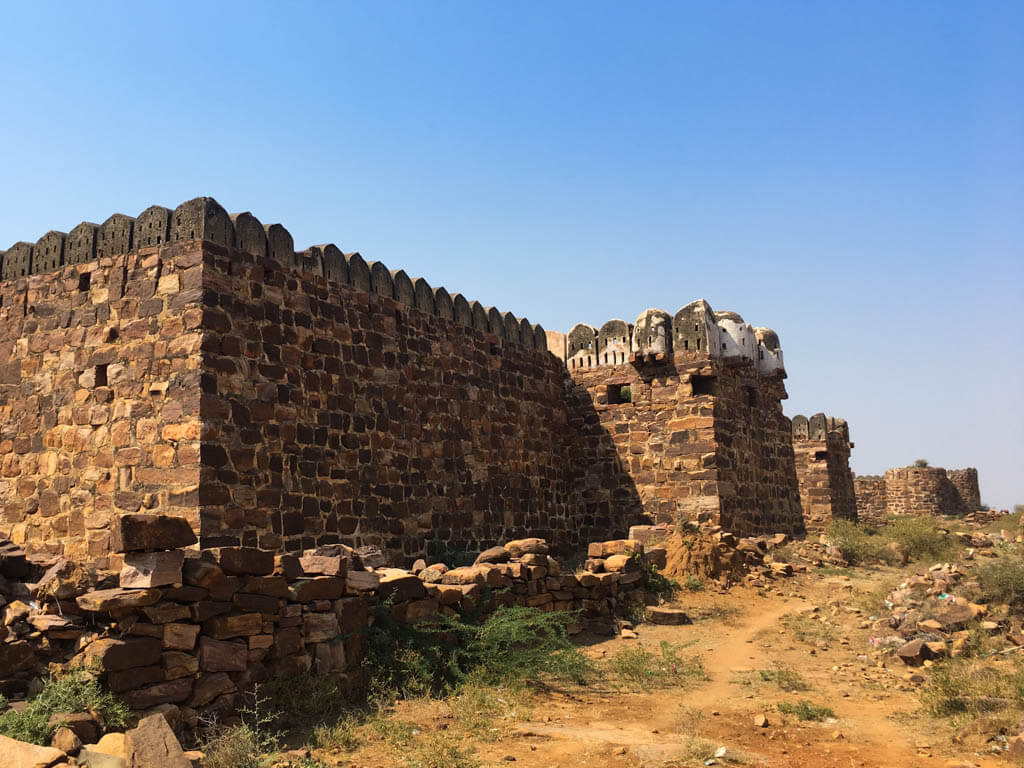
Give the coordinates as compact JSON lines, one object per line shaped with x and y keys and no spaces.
{"x":203,"y":218}
{"x":694,"y":332}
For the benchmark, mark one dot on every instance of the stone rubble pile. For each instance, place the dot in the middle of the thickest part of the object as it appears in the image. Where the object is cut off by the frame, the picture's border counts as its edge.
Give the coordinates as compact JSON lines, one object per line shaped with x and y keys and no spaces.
{"x":182,"y":632}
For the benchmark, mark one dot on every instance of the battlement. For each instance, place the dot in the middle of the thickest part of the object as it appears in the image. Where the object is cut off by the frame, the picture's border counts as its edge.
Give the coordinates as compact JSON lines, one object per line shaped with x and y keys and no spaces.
{"x":821,"y":447}
{"x":818,"y":427}
{"x":695,"y":332}
{"x":917,"y":490}
{"x":203,"y":218}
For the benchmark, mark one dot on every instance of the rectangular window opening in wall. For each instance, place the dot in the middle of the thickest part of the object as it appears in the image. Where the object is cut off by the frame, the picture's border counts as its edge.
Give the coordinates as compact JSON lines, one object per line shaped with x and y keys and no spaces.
{"x":820,"y":455}
{"x":751,"y":396}
{"x":84,"y":280}
{"x":702,"y":385}
{"x":101,"y":375}
{"x":619,"y":394}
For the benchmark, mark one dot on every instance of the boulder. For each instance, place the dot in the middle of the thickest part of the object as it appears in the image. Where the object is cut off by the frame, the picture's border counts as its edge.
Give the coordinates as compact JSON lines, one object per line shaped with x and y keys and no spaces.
{"x":152,"y":744}
{"x":519,"y":547}
{"x":493,"y":555}
{"x":18,"y":754}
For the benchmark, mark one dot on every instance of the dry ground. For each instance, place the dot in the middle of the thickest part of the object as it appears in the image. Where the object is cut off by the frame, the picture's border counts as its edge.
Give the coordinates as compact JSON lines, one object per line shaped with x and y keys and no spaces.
{"x":878,"y":721}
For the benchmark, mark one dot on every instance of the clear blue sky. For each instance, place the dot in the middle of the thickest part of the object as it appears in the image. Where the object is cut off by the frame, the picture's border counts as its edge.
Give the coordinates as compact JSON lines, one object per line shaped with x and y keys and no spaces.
{"x":851,"y":174}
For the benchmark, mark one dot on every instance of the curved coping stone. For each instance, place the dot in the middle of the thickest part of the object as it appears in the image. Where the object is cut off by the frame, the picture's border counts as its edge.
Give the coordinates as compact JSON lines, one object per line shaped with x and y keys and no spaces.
{"x":479,"y":316}
{"x":249,"y":234}
{"x":80,"y":246}
{"x":443,"y":304}
{"x":801,"y":429}
{"x":312,"y":260}
{"x":280,"y":246}
{"x":768,"y":337}
{"x":152,"y":227}
{"x":380,"y":280}
{"x":463,"y":313}
{"x":115,"y":236}
{"x":334,"y":264}
{"x":690,"y":327}
{"x":727,"y":315}
{"x":540,"y":338}
{"x":613,"y":332}
{"x":652,"y":332}
{"x":202,"y":218}
{"x":817,"y":427}
{"x":495,"y":322}
{"x":511,"y":324}
{"x":404,"y":292}
{"x":48,"y":252}
{"x":17,"y":261}
{"x":581,"y":338}
{"x":424,"y":296}
{"x":358,"y":272}
{"x":526,"y":335}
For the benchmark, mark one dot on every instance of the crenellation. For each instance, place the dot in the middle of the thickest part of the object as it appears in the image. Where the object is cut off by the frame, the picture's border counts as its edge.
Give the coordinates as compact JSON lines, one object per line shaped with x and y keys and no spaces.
{"x":202,"y":218}
{"x":48,"y":252}
{"x":358,"y":272}
{"x":444,"y":306}
{"x":404,"y":291}
{"x":381,"y":283}
{"x":280,"y":246}
{"x":479,"y":315}
{"x":462,"y":313}
{"x":115,"y":236}
{"x":613,"y":342}
{"x":17,"y":261}
{"x":249,"y":234}
{"x":80,"y":245}
{"x":152,"y":227}
{"x":335,"y":268}
{"x":652,"y":333}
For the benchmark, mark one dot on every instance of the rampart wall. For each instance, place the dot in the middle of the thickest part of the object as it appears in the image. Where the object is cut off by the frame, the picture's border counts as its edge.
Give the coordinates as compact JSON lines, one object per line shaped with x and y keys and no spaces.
{"x":918,"y":491}
{"x":822,"y":450}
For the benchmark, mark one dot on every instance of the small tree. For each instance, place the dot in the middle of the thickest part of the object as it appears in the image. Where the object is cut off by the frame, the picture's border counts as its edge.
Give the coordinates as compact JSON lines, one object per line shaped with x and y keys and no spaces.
{"x":921,"y":462}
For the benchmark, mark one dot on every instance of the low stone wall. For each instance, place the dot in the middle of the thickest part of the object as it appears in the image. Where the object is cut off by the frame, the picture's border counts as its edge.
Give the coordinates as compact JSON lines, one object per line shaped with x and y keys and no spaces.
{"x":917,"y":491}
{"x":193,"y":628}
{"x":871,"y":502}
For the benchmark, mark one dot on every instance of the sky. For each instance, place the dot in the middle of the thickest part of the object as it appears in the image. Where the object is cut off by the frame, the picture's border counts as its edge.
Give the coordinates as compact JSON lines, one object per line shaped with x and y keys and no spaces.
{"x":849,"y":174}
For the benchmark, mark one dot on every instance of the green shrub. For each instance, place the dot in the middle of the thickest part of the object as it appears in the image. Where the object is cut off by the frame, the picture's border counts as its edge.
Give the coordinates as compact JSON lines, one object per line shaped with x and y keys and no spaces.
{"x":440,"y":751}
{"x":511,"y":645}
{"x":923,"y":540}
{"x":656,"y":582}
{"x":1002,"y":581}
{"x":805,"y":710}
{"x":693,"y":584}
{"x":76,"y":692}
{"x":857,"y":545}
{"x":237,"y":746}
{"x":639,"y":668}
{"x":962,"y":686}
{"x":787,"y":678}
{"x":340,"y":736}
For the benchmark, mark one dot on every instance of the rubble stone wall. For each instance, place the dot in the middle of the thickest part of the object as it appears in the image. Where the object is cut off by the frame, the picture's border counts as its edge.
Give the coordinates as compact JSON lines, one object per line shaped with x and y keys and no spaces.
{"x":966,"y":483}
{"x":871,"y":499}
{"x":99,"y":399}
{"x":696,"y":439}
{"x":918,"y":491}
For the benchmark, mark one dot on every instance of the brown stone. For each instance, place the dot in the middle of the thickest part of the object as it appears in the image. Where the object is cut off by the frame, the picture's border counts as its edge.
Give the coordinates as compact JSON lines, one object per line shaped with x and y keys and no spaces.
{"x":84,"y":724}
{"x":180,"y":637}
{"x":151,"y":569}
{"x":169,"y":692}
{"x":317,"y":588}
{"x":179,"y":664}
{"x":519,"y":547}
{"x":399,"y":586}
{"x":18,"y":754}
{"x":222,"y":656}
{"x":112,"y":655}
{"x":246,"y":561}
{"x":152,"y":743}
{"x":321,"y":627}
{"x":106,"y":600}
{"x":662,"y":615}
{"x":141,"y":533}
{"x":241,"y":625}
{"x":209,"y":687}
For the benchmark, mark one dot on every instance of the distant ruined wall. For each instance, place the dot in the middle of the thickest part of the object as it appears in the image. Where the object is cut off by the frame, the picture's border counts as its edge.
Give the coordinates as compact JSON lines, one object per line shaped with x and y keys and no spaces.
{"x":822,"y":449}
{"x":921,"y":491}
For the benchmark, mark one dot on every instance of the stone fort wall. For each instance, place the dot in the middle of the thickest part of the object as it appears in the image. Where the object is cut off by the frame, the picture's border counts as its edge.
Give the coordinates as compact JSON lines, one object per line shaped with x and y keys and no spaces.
{"x":822,"y":450}
{"x":193,"y":362}
{"x":917,"y":491}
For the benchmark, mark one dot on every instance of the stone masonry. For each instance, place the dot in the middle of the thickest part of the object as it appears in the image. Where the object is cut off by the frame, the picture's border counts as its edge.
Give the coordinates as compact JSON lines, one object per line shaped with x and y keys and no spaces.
{"x":917,"y":491}
{"x":822,"y":450}
{"x":193,"y":363}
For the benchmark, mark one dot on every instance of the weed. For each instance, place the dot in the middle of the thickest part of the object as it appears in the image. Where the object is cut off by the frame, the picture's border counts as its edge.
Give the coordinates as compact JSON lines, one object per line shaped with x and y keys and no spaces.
{"x":787,"y":678}
{"x":693,"y":584}
{"x":397,"y":733}
{"x":858,"y":545}
{"x":479,"y":709}
{"x":1002,"y":581}
{"x":923,"y":539}
{"x":805,"y":710}
{"x":809,"y":628}
{"x":965,"y":687}
{"x":513,"y":644}
{"x":639,"y":668}
{"x":301,"y":702}
{"x":656,"y":583}
{"x":341,"y":735}
{"x":440,"y":751}
{"x":236,"y":746}
{"x":77,"y":692}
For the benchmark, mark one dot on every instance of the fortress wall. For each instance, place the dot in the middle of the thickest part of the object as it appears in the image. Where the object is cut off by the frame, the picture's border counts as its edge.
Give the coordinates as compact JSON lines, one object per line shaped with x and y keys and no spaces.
{"x":871,"y":499}
{"x":823,"y":470}
{"x":99,"y":398}
{"x":332,"y":413}
{"x":921,"y":491}
{"x":697,"y":439}
{"x":966,"y":483}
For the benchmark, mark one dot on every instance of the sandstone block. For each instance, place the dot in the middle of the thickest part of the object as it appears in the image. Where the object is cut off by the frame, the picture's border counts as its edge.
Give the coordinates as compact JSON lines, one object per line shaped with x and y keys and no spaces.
{"x":661,"y":615}
{"x":222,"y":656}
{"x":18,"y":754}
{"x":399,"y":586}
{"x":152,"y":743}
{"x":201,"y":573}
{"x":240,"y":625}
{"x":84,"y":724}
{"x":106,"y":600}
{"x":128,"y":679}
{"x":324,"y":565}
{"x":141,"y":533}
{"x":620,"y":564}
{"x":533,"y":546}
{"x":178,"y":664}
{"x":493,"y":555}
{"x":209,"y":687}
{"x":117,"y":655}
{"x":361,"y":581}
{"x":317,"y":588}
{"x":66,"y":741}
{"x":415,"y":610}
{"x":151,"y":569}
{"x":169,"y":692}
{"x":246,"y":561}
{"x":180,"y":637}
{"x":321,"y":627}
